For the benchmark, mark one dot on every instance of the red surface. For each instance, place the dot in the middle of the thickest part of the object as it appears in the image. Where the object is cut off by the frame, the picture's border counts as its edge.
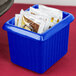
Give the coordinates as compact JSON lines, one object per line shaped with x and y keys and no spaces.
{"x":64,"y":67}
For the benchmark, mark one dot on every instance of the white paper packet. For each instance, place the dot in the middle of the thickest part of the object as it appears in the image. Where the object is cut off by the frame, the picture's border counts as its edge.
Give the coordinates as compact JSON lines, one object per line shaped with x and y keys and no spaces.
{"x":16,"y":19}
{"x":51,"y":11}
{"x":44,"y":17}
{"x":22,"y":13}
{"x":36,"y":20}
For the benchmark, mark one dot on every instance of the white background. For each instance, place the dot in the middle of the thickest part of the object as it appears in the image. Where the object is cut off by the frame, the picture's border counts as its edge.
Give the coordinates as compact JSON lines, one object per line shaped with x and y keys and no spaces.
{"x":52,"y":2}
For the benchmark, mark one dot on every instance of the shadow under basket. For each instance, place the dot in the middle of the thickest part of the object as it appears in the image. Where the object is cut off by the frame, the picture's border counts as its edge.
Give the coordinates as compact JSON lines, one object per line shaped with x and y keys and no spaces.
{"x":38,"y":52}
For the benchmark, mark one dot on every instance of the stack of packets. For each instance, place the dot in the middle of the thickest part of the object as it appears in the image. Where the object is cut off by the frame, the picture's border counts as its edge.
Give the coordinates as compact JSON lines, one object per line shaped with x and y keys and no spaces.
{"x":38,"y":20}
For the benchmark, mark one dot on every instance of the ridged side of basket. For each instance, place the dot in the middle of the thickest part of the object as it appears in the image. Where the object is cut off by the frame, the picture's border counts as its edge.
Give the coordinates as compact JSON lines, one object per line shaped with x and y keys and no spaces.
{"x":55,"y":47}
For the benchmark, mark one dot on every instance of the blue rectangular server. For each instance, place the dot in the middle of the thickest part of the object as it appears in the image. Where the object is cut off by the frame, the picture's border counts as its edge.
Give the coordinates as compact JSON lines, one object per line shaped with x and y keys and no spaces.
{"x":38,"y":52}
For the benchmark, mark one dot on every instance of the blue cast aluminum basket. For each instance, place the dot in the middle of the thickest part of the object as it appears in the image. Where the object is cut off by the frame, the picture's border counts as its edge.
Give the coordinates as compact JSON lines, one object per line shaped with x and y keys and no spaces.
{"x":38,"y":52}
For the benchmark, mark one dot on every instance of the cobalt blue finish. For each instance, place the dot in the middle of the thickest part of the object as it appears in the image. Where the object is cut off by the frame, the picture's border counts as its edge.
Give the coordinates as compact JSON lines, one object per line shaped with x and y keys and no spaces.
{"x":38,"y":52}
